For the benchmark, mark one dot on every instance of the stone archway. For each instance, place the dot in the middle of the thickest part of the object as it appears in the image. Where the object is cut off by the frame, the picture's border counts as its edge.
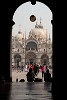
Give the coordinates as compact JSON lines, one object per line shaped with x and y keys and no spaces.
{"x":11,"y":10}
{"x":31,"y":45}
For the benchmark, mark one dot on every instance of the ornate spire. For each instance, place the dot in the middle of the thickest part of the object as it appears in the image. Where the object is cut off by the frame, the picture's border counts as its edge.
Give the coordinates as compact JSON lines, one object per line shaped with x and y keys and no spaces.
{"x":40,"y":20}
{"x":36,"y":23}
{"x":19,"y":29}
{"x":49,"y":40}
{"x":49,"y":37}
{"x":25,"y":34}
{"x":40,"y":25}
{"x":36,"y":26}
{"x":46,"y":33}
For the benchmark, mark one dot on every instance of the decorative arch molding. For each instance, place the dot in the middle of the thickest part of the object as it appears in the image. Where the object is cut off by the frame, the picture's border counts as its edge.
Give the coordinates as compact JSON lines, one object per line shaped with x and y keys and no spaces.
{"x":30,"y":57}
{"x":31,"y":40}
{"x":17,"y":57}
{"x":44,"y":59}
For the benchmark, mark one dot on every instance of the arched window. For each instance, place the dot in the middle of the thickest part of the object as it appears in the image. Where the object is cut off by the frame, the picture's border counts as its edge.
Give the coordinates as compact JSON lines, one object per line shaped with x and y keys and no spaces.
{"x":31,"y":46}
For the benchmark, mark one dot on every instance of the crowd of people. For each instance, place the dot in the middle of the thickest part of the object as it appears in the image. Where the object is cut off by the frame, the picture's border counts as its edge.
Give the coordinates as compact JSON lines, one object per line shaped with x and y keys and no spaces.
{"x":33,"y":70}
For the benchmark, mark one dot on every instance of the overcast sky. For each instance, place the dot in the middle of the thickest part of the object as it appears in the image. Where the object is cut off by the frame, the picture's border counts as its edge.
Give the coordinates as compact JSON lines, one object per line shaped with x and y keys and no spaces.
{"x":22,"y":15}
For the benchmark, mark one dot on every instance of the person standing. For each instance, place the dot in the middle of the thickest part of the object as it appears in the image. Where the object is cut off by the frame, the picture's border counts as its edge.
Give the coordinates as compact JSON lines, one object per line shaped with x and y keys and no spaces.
{"x":43,"y":69}
{"x":26,"y":68}
{"x":30,"y":75}
{"x":47,"y":76}
{"x":32,"y":67}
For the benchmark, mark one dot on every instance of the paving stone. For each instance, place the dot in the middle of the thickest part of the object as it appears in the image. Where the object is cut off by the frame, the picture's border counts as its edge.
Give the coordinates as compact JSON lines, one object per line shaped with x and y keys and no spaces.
{"x":26,"y":91}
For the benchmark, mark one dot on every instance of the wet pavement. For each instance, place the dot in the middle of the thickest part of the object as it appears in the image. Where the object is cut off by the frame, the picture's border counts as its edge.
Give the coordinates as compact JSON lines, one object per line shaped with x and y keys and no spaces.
{"x":26,"y":91}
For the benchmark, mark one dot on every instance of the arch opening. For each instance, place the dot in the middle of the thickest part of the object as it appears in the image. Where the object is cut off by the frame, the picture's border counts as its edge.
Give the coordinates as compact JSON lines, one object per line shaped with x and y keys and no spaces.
{"x":24,"y":31}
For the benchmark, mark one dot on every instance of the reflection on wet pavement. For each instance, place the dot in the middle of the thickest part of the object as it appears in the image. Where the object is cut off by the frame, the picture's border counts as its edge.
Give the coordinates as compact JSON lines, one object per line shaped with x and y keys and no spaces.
{"x":26,"y":91}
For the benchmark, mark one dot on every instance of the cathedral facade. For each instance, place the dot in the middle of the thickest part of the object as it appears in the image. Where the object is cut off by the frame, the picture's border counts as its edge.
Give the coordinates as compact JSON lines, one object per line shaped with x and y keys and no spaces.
{"x":36,"y":48}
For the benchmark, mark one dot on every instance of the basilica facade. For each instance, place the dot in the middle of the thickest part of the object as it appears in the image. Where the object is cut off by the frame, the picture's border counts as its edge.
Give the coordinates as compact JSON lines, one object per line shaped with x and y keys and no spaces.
{"x":36,"y":48}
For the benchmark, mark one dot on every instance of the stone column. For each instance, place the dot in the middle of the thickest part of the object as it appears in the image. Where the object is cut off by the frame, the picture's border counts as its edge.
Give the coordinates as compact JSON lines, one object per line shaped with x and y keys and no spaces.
{"x":11,"y":51}
{"x":5,"y":49}
{"x":8,"y":53}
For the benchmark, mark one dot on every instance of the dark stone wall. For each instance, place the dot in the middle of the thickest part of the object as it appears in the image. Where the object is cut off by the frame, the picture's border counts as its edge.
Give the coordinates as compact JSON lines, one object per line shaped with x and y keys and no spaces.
{"x":7,"y":9}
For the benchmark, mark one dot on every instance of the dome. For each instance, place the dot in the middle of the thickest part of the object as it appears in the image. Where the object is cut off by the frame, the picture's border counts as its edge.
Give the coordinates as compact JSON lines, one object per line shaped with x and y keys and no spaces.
{"x":40,"y":26}
{"x":38,"y":32}
{"x":19,"y":36}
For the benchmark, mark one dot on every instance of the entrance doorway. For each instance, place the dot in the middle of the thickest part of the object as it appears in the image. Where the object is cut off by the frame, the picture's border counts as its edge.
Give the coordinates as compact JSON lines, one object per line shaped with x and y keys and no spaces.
{"x":31,"y":58}
{"x":31,"y":61}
